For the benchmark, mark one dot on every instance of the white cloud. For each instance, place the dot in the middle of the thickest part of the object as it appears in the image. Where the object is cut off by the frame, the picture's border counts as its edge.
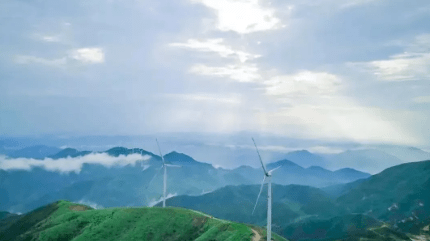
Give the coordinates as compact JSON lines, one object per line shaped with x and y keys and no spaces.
{"x":47,"y":38}
{"x":70,"y":164}
{"x":241,"y":73}
{"x":401,"y":67}
{"x":50,"y":38}
{"x":232,"y":99}
{"x":422,"y":99}
{"x":409,"y":65}
{"x":304,"y":83}
{"x":88,"y":55}
{"x":242,"y":16}
{"x":26,"y":59}
{"x":216,"y":46}
{"x":83,"y":55}
{"x":310,"y":105}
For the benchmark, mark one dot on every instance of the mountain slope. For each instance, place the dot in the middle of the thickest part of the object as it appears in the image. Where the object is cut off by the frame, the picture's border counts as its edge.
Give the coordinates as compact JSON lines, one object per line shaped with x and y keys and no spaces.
{"x":305,"y":159}
{"x":338,"y":190}
{"x":236,"y":203}
{"x":407,"y":154}
{"x":316,"y":176}
{"x":36,"y":152}
{"x":129,"y":185}
{"x":346,"y":227}
{"x":397,"y":193}
{"x":371,"y":160}
{"x":68,"y":221}
{"x":4,"y":214}
{"x":69,"y":152}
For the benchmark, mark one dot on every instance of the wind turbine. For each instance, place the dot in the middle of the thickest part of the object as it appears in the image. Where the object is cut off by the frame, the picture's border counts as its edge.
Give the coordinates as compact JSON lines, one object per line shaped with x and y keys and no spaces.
{"x":268,"y":175}
{"x":164,"y":166}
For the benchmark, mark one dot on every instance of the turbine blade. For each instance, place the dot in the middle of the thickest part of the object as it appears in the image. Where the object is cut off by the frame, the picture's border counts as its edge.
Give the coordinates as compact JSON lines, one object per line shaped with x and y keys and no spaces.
{"x":261,"y":161}
{"x":161,"y":155}
{"x":171,"y":165}
{"x":274,"y":169}
{"x":258,"y":197}
{"x":154,"y":177}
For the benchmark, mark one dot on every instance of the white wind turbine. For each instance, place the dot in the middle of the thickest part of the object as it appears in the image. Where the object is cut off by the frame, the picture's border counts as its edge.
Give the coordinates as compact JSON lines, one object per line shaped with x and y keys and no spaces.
{"x":164,"y":166}
{"x":268,"y":175}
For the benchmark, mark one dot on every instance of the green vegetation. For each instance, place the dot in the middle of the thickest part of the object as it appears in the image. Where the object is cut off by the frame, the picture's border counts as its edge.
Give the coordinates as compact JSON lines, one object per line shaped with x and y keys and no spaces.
{"x":347,"y":227}
{"x":396,"y":194}
{"x":68,"y":221}
{"x":292,"y":202}
{"x":5,"y":214}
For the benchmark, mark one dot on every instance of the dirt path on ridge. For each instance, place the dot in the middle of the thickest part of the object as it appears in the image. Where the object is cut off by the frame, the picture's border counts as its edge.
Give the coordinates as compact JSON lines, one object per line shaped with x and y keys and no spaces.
{"x":256,"y":236}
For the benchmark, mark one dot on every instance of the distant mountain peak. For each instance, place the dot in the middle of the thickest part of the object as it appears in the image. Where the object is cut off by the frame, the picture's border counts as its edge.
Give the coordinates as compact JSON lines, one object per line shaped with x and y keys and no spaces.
{"x":316,"y":168}
{"x":283,"y":162}
{"x":117,"y":149}
{"x":179,"y":157}
{"x":305,"y":158}
{"x":69,"y":152}
{"x":69,"y":149}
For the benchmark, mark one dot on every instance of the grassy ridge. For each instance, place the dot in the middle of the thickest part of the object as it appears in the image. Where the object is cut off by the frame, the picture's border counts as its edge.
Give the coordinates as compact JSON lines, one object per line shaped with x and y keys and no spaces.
{"x":68,"y":221}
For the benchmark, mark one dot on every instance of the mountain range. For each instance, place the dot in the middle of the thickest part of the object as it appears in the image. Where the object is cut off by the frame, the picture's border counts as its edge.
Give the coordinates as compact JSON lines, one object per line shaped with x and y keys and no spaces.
{"x":392,"y":205}
{"x":127,"y":185}
{"x":367,"y":158}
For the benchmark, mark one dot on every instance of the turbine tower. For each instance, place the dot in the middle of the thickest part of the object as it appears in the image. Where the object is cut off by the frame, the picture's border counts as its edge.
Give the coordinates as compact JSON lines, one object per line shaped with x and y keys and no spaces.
{"x":268,"y":176}
{"x":165,"y":165}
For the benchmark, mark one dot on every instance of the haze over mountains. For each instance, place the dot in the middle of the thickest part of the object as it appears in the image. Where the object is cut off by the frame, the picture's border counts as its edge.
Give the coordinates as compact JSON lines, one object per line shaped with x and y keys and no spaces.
{"x":307,"y":197}
{"x":310,"y":194}
{"x":235,"y":150}
{"x":120,"y":177}
{"x":391,"y":203}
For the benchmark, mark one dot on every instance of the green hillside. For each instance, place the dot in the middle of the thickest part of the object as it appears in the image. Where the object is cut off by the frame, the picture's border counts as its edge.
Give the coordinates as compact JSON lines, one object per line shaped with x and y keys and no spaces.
{"x":5,"y":214}
{"x":68,"y":221}
{"x":347,"y":227}
{"x":292,"y":203}
{"x":397,"y":193}
{"x":392,"y":205}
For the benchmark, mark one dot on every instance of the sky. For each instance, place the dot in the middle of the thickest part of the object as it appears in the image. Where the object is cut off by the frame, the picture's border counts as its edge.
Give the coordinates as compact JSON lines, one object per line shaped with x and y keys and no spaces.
{"x":329,"y":70}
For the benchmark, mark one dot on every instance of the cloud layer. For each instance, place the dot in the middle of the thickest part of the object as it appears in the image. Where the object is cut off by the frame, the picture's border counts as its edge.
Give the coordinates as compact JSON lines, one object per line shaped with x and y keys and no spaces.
{"x":242,"y":16}
{"x":329,"y":69}
{"x":216,"y":46}
{"x":70,"y":164}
